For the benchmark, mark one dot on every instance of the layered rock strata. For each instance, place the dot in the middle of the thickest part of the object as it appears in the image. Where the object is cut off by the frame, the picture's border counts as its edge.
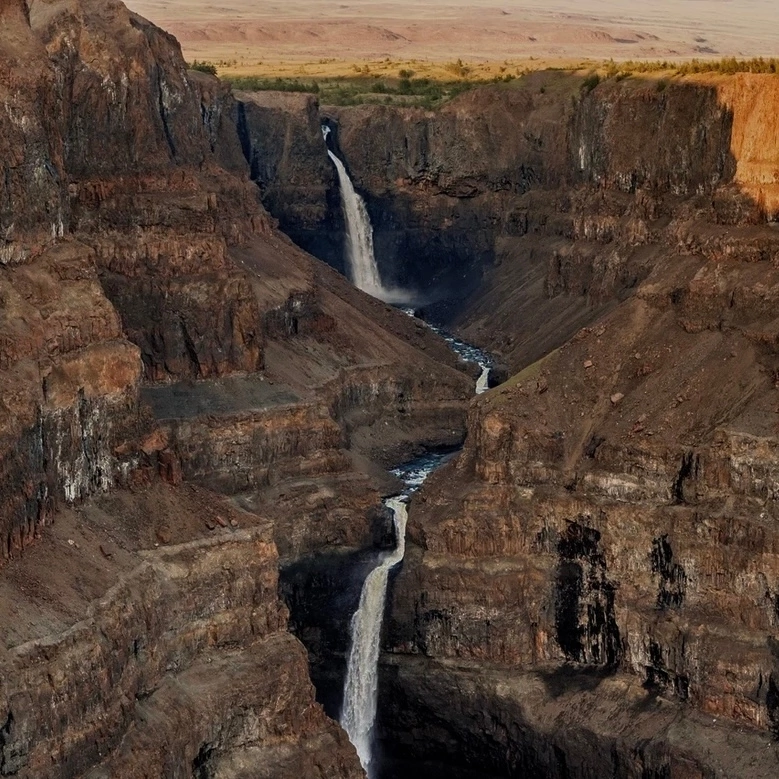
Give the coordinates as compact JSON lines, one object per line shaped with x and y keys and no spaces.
{"x":147,"y":303}
{"x":135,"y":646}
{"x":590,"y":588}
{"x":551,"y":199}
{"x":605,"y":542}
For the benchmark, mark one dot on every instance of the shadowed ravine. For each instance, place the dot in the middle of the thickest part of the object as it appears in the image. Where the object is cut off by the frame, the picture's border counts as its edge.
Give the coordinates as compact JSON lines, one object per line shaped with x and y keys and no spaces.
{"x":589,"y":587}
{"x":361,"y":688}
{"x":360,"y":700}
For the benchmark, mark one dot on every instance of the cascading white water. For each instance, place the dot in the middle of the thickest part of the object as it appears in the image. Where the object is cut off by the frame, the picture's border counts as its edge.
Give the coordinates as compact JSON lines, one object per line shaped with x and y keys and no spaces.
{"x":482,"y":383}
{"x":468,"y":352}
{"x":362,"y":677}
{"x":359,"y":233}
{"x":358,"y":712}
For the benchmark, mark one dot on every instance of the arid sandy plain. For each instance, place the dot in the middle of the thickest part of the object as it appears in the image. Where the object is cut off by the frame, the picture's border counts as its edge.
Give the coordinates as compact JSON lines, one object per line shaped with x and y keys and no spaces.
{"x":312,"y":33}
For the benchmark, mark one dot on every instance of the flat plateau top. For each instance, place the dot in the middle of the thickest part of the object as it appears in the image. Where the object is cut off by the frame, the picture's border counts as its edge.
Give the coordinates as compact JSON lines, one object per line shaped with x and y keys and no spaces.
{"x":252,"y":31}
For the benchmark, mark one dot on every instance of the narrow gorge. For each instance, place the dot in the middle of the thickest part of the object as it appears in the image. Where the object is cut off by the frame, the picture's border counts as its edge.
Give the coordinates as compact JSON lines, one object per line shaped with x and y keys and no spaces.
{"x":204,"y":425}
{"x":588,"y":588}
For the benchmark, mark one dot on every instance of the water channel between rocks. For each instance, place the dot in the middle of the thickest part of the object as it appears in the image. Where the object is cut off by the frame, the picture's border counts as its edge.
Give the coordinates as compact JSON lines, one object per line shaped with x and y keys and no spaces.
{"x":360,"y":700}
{"x":360,"y":692}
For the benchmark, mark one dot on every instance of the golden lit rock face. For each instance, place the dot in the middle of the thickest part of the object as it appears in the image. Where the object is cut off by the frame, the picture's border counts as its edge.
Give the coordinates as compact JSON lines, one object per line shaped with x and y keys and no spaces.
{"x":755,"y":136}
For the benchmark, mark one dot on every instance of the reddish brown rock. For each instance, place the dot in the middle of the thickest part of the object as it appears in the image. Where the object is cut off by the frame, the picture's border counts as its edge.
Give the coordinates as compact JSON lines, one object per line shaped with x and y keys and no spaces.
{"x":620,"y":524}
{"x":184,"y":659}
{"x":611,"y":516}
{"x":143,"y":633}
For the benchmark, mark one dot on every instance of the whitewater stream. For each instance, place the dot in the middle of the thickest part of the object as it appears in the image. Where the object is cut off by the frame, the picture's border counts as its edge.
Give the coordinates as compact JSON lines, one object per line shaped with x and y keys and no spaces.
{"x":364,"y":270}
{"x":358,"y":711}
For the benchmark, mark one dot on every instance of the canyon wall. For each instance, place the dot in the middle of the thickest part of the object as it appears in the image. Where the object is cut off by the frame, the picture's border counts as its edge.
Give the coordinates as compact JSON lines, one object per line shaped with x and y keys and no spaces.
{"x":518,"y":186}
{"x":589,"y":589}
{"x":157,"y":332}
{"x":605,"y":542}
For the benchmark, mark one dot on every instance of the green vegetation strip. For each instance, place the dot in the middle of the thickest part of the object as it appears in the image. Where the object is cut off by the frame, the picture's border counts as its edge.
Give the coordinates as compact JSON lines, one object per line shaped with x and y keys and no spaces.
{"x":430,"y":93}
{"x":422,"y":92}
{"x":728,"y":66}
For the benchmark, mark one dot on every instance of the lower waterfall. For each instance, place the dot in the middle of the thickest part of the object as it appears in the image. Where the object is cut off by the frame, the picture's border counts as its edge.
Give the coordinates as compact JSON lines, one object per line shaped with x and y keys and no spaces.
{"x":362,"y":676}
{"x":483,"y":382}
{"x":358,"y":711}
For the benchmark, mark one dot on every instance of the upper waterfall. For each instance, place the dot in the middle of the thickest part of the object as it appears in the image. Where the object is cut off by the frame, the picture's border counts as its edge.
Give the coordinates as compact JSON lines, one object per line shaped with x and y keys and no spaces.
{"x":360,"y":257}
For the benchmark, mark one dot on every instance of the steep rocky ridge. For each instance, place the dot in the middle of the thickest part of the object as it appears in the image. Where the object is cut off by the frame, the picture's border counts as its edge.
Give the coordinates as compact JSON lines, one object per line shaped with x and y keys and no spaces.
{"x":589,"y":589}
{"x":161,"y":241}
{"x":156,"y":328}
{"x":611,"y":518}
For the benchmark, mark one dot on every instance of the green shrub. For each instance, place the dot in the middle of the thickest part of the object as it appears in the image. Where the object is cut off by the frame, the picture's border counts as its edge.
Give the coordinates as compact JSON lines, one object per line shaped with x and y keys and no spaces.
{"x":590,"y":82}
{"x":352,"y":90}
{"x":726,"y":66}
{"x":204,"y":67}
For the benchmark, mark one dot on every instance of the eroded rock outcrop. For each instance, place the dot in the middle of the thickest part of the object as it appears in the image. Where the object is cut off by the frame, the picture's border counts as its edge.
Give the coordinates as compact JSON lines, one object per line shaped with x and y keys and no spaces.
{"x":604,"y":543}
{"x":135,"y":646}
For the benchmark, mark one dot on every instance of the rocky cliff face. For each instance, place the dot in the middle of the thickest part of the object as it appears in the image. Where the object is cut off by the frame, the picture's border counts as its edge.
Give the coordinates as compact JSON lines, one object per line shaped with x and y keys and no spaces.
{"x":137,"y":647}
{"x":604,"y":544}
{"x":504,"y":183}
{"x":590,"y":588}
{"x":156,"y":329}
{"x":281,"y":134}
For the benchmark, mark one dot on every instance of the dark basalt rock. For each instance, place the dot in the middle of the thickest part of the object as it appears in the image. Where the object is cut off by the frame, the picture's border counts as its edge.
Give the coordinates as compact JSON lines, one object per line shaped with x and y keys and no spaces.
{"x":586,"y":624}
